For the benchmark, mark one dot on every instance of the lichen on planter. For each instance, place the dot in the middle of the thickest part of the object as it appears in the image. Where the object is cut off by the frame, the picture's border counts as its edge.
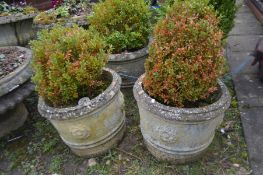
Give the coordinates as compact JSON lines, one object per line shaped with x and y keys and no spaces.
{"x":129,"y":65}
{"x":178,"y":134}
{"x":16,"y":30}
{"x":93,"y":126}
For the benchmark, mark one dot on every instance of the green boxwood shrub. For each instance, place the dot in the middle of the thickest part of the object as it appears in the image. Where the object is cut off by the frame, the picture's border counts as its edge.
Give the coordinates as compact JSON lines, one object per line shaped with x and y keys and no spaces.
{"x":125,"y":24}
{"x":186,"y":56}
{"x":68,"y":64}
{"x":226,"y":10}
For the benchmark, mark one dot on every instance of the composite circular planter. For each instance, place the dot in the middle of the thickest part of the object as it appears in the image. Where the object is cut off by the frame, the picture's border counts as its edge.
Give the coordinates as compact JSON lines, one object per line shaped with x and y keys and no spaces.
{"x":16,"y":30}
{"x":178,"y":134}
{"x":129,"y":65}
{"x":14,"y":88}
{"x":93,"y":126}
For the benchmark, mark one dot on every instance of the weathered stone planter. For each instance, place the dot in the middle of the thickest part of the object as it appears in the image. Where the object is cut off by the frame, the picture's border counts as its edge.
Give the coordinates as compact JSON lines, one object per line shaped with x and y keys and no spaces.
{"x":16,"y":30}
{"x":129,"y":65}
{"x":178,"y":134}
{"x":14,"y":88}
{"x":93,"y":126}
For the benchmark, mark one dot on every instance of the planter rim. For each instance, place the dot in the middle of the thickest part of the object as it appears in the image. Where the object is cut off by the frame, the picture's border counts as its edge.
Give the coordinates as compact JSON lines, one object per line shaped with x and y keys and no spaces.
{"x":15,"y":18}
{"x":181,"y":114}
{"x":22,"y":68}
{"x":126,"y":56}
{"x":85,"y":105}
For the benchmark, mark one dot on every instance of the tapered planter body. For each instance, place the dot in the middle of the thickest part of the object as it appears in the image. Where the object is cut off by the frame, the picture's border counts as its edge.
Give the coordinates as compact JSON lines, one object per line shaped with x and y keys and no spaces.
{"x":16,"y":30}
{"x":93,"y":126}
{"x":129,"y":65}
{"x":14,"y":88}
{"x":178,"y":134}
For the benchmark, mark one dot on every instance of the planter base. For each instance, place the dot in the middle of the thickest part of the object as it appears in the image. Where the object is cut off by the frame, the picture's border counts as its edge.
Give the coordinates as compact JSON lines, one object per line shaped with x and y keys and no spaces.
{"x":13,"y":119}
{"x":173,"y":156}
{"x":99,"y":148}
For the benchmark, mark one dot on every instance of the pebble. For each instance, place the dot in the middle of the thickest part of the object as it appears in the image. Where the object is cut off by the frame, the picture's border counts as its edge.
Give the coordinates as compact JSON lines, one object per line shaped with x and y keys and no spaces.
{"x":120,"y":157}
{"x":236,"y":165}
{"x":92,"y":162}
{"x":108,"y":162}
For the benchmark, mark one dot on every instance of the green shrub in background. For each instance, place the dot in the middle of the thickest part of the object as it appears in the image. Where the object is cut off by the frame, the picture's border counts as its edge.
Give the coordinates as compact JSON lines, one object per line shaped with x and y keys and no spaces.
{"x":185,"y":58}
{"x":226,"y":10}
{"x":68,"y":64}
{"x":125,"y":24}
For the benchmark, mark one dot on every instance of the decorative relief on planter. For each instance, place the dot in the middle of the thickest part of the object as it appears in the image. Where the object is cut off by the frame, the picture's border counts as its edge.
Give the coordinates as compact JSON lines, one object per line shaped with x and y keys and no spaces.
{"x":80,"y":131}
{"x":167,"y":134}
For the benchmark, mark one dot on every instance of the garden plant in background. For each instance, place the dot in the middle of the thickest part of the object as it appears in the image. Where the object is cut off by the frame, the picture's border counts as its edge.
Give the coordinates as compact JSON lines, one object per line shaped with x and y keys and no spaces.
{"x":74,"y":87}
{"x":125,"y":26}
{"x":16,"y":23}
{"x":180,"y":97}
{"x":16,"y":9}
{"x":225,"y":10}
{"x":67,"y":11}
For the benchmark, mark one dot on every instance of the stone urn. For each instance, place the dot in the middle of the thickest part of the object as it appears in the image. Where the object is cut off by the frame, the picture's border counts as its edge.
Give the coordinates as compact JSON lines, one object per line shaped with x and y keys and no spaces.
{"x":94,"y":125}
{"x":16,"y":30}
{"x":176,"y":134}
{"x":15,"y":86}
{"x":129,"y":65}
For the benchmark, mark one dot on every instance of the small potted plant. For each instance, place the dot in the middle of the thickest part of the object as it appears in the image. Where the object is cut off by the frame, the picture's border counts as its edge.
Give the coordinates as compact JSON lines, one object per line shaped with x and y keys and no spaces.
{"x":81,"y":99}
{"x":125,"y":25}
{"x":16,"y":23}
{"x":67,"y":13}
{"x":180,"y":97}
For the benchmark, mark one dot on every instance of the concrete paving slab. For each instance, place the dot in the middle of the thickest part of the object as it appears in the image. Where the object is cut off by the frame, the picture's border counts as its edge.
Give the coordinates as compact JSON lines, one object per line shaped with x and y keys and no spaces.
{"x":249,"y":90}
{"x":252,"y":120}
{"x":243,"y":28}
{"x":240,"y":63}
{"x":246,"y":18}
{"x":243,"y":43}
{"x":248,"y":86}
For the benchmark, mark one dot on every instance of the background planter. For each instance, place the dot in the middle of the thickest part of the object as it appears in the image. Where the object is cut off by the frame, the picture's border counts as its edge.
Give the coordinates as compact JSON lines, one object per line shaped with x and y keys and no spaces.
{"x":129,"y":65}
{"x":14,"y":88}
{"x":178,"y":134}
{"x":93,"y":126}
{"x":16,"y":30}
{"x":80,"y":21}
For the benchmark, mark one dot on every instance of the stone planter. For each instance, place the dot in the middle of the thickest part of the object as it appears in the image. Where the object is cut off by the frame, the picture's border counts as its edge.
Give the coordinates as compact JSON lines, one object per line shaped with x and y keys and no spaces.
{"x":178,"y":134}
{"x":93,"y":126}
{"x":14,"y":88}
{"x":16,"y":30}
{"x":129,"y":65}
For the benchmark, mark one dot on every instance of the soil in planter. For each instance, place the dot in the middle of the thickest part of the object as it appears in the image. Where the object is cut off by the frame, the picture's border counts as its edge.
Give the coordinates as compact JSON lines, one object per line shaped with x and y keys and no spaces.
{"x":10,"y":60}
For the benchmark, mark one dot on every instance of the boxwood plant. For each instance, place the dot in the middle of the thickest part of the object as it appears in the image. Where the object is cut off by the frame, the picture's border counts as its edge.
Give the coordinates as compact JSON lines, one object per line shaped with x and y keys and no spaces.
{"x":68,"y":64}
{"x":186,"y":56}
{"x":125,"y":24}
